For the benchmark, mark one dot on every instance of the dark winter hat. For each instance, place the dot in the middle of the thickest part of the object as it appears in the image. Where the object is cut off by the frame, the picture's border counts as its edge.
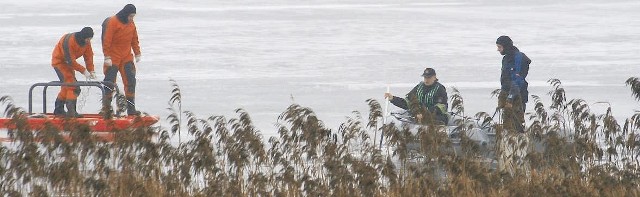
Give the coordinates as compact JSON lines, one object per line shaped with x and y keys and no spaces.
{"x":128,"y":9}
{"x":505,"y":41}
{"x":86,"y":32}
{"x":125,"y":12}
{"x":429,"y":72}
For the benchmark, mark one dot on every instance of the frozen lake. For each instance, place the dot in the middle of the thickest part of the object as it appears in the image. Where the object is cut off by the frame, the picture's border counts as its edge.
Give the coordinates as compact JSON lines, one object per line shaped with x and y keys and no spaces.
{"x":333,"y":55}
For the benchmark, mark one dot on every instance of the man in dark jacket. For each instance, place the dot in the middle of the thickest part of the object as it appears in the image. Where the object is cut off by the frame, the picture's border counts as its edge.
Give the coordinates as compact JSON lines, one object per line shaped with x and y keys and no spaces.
{"x":428,"y":96}
{"x":514,"y":94}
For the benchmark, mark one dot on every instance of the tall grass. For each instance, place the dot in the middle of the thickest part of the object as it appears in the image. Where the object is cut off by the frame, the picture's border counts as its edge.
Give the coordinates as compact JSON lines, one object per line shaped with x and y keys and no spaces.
{"x":567,"y":151}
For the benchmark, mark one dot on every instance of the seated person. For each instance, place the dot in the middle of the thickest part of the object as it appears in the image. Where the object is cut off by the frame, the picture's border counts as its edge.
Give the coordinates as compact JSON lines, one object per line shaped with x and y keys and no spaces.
{"x":428,"y":96}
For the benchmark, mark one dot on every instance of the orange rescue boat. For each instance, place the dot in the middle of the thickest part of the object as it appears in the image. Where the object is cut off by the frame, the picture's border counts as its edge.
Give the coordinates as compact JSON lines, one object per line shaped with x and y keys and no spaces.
{"x":97,"y":123}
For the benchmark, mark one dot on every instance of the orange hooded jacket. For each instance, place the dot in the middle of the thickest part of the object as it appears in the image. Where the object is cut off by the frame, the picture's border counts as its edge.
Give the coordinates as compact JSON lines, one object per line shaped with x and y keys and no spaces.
{"x":118,"y":39}
{"x":68,"y":50}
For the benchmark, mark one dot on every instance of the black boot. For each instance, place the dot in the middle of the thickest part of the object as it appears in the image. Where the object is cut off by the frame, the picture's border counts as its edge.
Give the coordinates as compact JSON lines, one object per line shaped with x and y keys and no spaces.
{"x":131,"y":107}
{"x":71,"y":107}
{"x":59,"y":108}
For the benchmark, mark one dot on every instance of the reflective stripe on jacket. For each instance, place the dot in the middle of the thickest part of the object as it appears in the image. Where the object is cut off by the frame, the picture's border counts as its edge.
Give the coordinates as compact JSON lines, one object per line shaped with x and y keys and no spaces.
{"x":68,"y":50}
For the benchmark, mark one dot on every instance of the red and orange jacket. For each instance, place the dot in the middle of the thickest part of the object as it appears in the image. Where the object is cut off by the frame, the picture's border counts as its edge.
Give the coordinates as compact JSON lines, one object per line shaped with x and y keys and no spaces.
{"x":68,"y":50}
{"x":118,"y":39}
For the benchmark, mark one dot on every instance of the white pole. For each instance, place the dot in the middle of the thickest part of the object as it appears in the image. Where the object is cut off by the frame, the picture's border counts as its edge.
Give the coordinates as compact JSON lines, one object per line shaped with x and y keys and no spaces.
{"x":384,"y":116}
{"x":386,"y":107}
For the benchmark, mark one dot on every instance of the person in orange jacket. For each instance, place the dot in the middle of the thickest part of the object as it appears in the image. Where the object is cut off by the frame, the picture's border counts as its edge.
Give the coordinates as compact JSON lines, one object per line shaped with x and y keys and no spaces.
{"x":70,"y":47}
{"x":119,"y":38}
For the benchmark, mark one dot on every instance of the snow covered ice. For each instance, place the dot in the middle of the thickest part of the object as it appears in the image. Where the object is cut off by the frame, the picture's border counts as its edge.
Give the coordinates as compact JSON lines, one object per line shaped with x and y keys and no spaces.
{"x":332,"y":55}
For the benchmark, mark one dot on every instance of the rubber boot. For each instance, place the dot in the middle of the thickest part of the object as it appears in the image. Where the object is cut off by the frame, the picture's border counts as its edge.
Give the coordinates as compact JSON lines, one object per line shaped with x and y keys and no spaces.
{"x":131,"y":107}
{"x":71,"y":107}
{"x":59,"y":108}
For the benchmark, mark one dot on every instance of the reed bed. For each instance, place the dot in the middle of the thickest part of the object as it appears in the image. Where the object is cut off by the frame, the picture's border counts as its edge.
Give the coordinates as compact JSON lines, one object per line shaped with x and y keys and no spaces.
{"x":566,"y":151}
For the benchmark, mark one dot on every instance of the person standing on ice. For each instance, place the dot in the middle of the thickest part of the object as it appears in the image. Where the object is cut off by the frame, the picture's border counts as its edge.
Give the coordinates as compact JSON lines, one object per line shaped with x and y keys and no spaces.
{"x":426,"y":99}
{"x":71,"y":47}
{"x":119,"y":38}
{"x":513,"y":92}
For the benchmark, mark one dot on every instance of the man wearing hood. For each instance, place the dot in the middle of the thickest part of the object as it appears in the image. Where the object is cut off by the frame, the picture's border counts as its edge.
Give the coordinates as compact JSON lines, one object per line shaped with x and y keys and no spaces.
{"x":514,"y":94}
{"x":71,"y":47}
{"x":119,"y":38}
{"x":428,"y":96}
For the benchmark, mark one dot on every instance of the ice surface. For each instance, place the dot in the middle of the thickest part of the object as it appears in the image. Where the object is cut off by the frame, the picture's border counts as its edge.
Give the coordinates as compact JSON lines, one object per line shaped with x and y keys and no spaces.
{"x":333,"y":55}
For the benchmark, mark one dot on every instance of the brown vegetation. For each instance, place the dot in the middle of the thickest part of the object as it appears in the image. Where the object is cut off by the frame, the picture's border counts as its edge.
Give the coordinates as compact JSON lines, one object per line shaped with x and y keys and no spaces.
{"x":584,"y":154}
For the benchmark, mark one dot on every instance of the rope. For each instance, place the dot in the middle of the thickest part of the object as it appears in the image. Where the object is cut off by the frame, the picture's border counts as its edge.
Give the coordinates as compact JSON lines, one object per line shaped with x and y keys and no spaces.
{"x":83,"y":97}
{"x":85,"y":93}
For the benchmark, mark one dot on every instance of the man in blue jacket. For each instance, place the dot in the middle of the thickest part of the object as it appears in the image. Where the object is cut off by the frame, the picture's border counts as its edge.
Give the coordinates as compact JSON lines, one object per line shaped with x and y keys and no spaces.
{"x":514,"y":94}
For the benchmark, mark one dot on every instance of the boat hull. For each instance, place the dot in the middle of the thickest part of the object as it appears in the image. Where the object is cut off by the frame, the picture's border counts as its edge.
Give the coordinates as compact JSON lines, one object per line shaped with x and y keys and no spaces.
{"x":100,"y":127}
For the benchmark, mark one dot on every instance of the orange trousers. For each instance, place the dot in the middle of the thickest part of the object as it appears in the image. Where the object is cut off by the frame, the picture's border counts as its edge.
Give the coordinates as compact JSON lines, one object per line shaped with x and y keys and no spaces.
{"x":66,"y":74}
{"x":128,"y":74}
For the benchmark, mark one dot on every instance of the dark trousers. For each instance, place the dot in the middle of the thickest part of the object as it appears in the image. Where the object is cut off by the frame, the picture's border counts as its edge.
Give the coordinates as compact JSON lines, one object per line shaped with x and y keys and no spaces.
{"x":513,"y":117}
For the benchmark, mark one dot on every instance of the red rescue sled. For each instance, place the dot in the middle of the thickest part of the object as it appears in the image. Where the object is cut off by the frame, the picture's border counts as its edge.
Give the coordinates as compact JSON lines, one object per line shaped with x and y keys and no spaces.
{"x":100,"y":126}
{"x":96,"y":122}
